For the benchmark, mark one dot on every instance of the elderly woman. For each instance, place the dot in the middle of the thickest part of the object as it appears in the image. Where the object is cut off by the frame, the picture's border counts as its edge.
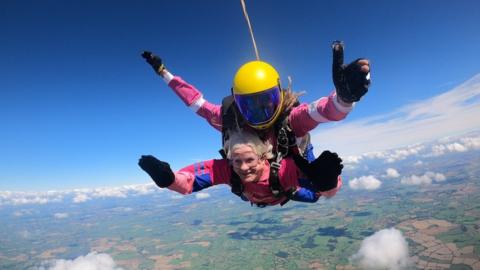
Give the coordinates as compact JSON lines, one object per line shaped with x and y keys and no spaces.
{"x":248,"y":166}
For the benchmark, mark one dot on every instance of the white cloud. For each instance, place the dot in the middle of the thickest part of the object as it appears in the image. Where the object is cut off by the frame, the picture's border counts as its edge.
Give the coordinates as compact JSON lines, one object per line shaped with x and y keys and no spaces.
{"x":80,"y":198}
{"x":438,"y":150}
{"x":91,"y":261}
{"x":83,"y":195}
{"x":416,"y":180}
{"x":352,"y":159}
{"x":400,"y":154}
{"x":375,"y":154}
{"x":365,"y":182}
{"x":392,"y":173}
{"x":386,"y":249}
{"x":60,"y":215}
{"x":21,"y":213}
{"x":143,"y":189}
{"x":421,"y":121}
{"x":462,"y":145}
{"x":437,"y":177}
{"x":456,"y":147}
{"x":202,"y":195}
{"x":425,"y":179}
{"x":471,"y":142}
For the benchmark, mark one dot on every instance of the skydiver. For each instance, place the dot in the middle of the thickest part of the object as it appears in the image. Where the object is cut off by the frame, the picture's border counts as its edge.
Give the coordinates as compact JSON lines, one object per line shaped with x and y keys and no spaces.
{"x":248,"y":163}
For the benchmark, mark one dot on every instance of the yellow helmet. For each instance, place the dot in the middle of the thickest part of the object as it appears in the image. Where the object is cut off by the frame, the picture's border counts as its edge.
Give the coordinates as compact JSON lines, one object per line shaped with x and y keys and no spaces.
{"x":257,"y":93}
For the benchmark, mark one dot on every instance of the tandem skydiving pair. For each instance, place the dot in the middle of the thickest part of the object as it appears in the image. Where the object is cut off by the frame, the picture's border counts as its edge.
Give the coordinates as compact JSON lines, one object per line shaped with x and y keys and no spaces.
{"x":267,"y":155}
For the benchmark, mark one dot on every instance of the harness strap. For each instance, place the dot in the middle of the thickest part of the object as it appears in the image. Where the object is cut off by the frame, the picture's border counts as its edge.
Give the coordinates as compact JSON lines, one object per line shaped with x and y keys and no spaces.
{"x":285,"y":141}
{"x":237,"y":187}
{"x":228,"y":117}
{"x":274,"y":181}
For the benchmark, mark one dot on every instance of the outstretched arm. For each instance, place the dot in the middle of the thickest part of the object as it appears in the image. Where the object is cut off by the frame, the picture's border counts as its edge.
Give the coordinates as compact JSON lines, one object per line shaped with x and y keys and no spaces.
{"x":190,"y":179}
{"x":351,"y":82}
{"x":190,"y":95}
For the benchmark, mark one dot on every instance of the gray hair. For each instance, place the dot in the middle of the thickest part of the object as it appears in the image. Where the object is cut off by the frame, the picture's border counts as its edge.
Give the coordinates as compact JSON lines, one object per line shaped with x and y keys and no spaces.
{"x":237,"y":138}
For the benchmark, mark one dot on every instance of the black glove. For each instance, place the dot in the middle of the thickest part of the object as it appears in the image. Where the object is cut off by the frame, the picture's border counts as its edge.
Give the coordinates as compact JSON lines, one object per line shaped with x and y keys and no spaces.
{"x":323,"y":171}
{"x":350,"y":81}
{"x":154,"y":61}
{"x":158,"y":170}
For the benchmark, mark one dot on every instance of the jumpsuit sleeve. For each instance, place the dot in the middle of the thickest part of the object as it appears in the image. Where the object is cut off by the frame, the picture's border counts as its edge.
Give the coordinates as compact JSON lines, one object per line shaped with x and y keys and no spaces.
{"x":305,"y":195}
{"x":304,"y":191}
{"x":307,"y":185}
{"x":193,"y":98}
{"x":292,"y":178}
{"x":201,"y":175}
{"x":306,"y":117}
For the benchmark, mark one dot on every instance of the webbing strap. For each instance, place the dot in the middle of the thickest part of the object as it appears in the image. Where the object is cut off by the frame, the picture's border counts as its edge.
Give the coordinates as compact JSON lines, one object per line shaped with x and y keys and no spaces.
{"x":274,"y":180}
{"x":237,"y":187}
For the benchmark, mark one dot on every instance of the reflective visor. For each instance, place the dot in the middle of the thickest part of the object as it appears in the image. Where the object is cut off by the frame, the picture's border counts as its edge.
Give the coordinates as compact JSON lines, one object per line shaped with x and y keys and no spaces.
{"x":259,"y":108}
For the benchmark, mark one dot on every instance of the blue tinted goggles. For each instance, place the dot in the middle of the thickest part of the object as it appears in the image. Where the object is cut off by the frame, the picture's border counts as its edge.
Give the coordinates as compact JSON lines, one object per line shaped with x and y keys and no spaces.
{"x":259,"y":108}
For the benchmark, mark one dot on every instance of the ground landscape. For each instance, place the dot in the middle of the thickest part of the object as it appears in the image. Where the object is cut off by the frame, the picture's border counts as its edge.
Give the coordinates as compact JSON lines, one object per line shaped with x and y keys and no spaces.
{"x":440,"y":221}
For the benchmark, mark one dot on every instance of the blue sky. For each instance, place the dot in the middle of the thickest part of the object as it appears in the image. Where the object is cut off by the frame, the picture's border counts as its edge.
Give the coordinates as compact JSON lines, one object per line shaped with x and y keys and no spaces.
{"x":78,"y":105}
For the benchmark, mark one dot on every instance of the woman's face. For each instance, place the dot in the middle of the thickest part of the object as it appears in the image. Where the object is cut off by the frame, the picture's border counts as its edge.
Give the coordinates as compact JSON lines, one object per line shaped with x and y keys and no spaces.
{"x":247,"y":164}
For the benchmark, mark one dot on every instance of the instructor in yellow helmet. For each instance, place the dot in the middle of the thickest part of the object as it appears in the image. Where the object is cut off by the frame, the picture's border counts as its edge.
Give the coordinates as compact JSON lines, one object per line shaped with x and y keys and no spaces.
{"x":257,"y":94}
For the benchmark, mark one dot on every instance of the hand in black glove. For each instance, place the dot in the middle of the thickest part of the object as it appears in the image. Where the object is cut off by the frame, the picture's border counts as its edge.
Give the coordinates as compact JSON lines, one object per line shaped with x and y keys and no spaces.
{"x":324,"y":171}
{"x":352,"y":80}
{"x":158,"y":170}
{"x":154,"y":61}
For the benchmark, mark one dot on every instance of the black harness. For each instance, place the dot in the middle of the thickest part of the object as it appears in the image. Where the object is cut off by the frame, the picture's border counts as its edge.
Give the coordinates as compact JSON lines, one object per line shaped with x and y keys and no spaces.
{"x":286,"y":146}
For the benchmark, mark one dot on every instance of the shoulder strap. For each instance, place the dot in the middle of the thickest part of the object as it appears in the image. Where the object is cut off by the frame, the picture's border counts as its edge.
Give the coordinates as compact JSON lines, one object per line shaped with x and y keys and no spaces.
{"x":227,"y":117}
{"x":237,"y":187}
{"x":230,"y":119}
{"x":274,"y":179}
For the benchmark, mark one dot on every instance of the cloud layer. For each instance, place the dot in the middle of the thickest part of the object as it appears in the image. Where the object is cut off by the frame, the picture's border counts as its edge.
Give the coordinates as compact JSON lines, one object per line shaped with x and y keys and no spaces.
{"x":83,"y":195}
{"x":443,"y":146}
{"x":386,"y":249}
{"x":76,"y":195}
{"x":454,"y":112}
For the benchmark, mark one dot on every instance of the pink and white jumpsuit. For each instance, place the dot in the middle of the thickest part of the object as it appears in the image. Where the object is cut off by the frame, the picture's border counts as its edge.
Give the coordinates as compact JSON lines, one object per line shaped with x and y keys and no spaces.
{"x":302,"y":119}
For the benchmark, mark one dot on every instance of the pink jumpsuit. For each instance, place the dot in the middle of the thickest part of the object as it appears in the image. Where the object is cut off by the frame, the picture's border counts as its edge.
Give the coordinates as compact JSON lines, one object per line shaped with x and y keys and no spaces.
{"x":203,"y":174}
{"x":302,"y":119}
